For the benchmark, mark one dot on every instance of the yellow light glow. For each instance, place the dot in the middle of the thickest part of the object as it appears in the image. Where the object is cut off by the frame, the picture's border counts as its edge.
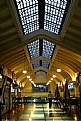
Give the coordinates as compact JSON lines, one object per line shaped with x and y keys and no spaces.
{"x":20,"y":84}
{"x":17,"y":82}
{"x":28,"y":77}
{"x":74,"y":78}
{"x":24,"y":71}
{"x":0,"y":76}
{"x":34,"y":85}
{"x":54,"y":76}
{"x":32,"y":81}
{"x":30,"y":119}
{"x":75,"y":118}
{"x":13,"y":111}
{"x":63,"y":83}
{"x":23,"y":106}
{"x":51,"y":78}
{"x":23,"y":85}
{"x":34,"y":105}
{"x":47,"y":83}
{"x":13,"y":81}
{"x":58,"y":84}
{"x":58,"y":70}
{"x":31,"y":113}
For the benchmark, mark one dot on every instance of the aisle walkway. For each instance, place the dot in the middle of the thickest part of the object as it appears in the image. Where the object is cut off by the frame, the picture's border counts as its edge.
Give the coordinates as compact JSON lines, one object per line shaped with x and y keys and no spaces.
{"x":37,"y":112}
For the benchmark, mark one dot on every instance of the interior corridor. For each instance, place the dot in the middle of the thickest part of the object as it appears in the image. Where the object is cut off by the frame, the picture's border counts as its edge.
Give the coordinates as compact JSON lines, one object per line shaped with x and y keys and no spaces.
{"x":38,"y":112}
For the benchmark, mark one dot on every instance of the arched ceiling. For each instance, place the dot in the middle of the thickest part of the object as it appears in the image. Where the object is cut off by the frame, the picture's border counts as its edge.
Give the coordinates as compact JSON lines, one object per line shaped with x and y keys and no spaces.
{"x":13,"y":43}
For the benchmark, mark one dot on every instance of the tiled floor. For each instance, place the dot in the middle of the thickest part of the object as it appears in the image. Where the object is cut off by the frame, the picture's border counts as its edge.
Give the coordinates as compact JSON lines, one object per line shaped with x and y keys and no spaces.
{"x":38,"y":112}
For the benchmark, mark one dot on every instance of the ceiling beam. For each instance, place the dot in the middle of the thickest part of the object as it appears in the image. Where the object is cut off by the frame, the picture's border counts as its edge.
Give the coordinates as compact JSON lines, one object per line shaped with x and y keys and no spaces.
{"x":71,"y":11}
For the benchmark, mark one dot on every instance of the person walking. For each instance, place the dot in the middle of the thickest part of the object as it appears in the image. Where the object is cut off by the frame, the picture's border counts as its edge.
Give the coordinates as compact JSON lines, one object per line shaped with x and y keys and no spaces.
{"x":50,"y":96}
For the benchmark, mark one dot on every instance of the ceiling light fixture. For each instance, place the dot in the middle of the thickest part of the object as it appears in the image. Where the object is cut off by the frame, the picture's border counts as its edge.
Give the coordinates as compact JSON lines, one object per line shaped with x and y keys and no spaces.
{"x":51,"y":78}
{"x":24,"y":71}
{"x":54,"y":76}
{"x":20,"y":85}
{"x":47,"y":83}
{"x":0,"y":76}
{"x":28,"y":77}
{"x":58,"y":69}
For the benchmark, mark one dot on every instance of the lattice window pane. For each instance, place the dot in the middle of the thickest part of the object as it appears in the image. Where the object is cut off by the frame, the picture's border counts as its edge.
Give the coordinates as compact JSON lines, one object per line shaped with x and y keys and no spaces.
{"x":45,"y":64}
{"x":36,"y":65}
{"x":48,"y":49}
{"x":28,"y":13}
{"x":54,"y":13}
{"x":34,"y":49}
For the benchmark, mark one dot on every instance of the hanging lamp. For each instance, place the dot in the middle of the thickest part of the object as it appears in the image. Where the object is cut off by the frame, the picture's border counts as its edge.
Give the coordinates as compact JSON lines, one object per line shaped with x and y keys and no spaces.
{"x":24,"y":71}
{"x":58,"y":69}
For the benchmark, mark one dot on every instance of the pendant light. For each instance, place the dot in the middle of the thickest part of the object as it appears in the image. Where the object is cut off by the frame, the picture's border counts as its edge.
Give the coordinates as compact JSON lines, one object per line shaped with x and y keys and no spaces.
{"x":58,"y":69}
{"x":0,"y":76}
{"x":24,"y":71}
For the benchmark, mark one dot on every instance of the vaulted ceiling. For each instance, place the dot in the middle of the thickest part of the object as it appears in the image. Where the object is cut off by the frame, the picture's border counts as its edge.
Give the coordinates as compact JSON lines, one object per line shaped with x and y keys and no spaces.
{"x":13,"y":43}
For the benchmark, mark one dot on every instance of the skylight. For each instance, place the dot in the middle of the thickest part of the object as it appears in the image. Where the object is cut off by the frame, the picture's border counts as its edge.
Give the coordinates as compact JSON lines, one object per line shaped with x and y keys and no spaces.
{"x":54,"y":15}
{"x":41,"y":63}
{"x":34,"y":15}
{"x":48,"y":49}
{"x":34,"y":49}
{"x":28,"y":14}
{"x":36,"y":65}
{"x":45,"y":64}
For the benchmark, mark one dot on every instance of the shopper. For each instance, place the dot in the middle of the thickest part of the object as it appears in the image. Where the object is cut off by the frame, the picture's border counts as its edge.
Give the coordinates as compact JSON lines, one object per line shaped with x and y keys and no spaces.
{"x":50,"y":96}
